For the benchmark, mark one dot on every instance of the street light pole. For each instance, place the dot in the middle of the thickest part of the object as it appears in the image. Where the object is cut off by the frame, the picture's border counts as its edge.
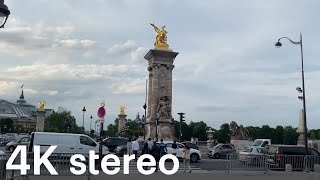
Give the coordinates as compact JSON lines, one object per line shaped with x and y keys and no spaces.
{"x":90,"y":124}
{"x":83,"y":110}
{"x":305,"y":131}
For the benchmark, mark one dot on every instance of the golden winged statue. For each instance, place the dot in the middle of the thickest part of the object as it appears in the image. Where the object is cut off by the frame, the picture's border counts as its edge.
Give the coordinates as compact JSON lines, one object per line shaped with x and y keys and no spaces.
{"x":122,"y":108}
{"x":41,"y":105}
{"x":161,"y":38}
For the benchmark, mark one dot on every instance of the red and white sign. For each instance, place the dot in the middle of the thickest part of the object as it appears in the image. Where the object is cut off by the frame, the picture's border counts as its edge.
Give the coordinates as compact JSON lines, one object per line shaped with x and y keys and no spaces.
{"x":101,"y":112}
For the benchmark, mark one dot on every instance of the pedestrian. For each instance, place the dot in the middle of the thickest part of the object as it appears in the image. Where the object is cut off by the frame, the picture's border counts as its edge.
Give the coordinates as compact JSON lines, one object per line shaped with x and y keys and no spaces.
{"x":145,"y":150}
{"x":135,"y":148}
{"x":129,"y":146}
{"x":196,"y":141}
{"x":155,"y":152}
{"x":192,"y":140}
{"x":186,"y":157}
{"x":163,"y":148}
{"x":150,"y":143}
{"x":175,"y":148}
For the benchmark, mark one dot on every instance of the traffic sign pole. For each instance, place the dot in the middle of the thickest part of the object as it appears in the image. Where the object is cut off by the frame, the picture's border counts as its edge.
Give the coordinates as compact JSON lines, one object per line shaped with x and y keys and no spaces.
{"x":101,"y":115}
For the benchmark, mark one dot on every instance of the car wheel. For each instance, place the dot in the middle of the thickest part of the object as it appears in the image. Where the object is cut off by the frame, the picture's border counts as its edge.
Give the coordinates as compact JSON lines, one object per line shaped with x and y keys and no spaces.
{"x":194,"y":157}
{"x":217,"y":156}
{"x":11,"y":149}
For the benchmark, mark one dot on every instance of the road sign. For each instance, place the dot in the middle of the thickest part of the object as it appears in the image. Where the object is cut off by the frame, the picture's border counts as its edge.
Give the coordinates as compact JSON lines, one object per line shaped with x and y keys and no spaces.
{"x":101,"y":112}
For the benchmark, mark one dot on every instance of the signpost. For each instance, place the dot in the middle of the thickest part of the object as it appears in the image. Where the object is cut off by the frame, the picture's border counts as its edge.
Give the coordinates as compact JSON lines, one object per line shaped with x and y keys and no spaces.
{"x":101,"y":115}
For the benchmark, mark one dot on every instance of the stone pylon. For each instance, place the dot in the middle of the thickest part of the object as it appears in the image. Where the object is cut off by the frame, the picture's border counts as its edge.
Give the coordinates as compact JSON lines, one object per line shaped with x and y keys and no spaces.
{"x":300,"y":129}
{"x":122,"y":121}
{"x":40,"y":120}
{"x":160,"y":94}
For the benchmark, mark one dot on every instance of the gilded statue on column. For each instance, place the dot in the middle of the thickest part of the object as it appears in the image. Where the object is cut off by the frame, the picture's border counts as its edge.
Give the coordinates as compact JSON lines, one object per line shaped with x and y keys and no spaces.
{"x":161,"y":38}
{"x":122,"y":109}
{"x":41,"y":105}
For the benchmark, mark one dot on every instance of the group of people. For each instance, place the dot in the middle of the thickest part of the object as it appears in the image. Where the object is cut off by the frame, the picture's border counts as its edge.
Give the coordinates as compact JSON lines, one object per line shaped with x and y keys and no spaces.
{"x":194,"y":140}
{"x":157,"y":150}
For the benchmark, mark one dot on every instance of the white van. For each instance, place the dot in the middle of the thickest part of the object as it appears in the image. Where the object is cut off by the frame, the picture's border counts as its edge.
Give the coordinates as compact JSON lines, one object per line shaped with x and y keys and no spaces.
{"x":66,"y":143}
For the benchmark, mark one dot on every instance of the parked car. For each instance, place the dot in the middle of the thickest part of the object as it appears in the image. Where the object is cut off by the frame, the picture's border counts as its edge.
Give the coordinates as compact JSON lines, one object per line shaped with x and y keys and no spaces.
{"x":66,"y":143}
{"x":280,"y":155}
{"x":252,"y":155}
{"x":11,"y":146}
{"x":195,"y":155}
{"x":122,"y":149}
{"x":191,"y":145}
{"x":113,"y":142}
{"x":4,"y":141}
{"x":221,"y":151}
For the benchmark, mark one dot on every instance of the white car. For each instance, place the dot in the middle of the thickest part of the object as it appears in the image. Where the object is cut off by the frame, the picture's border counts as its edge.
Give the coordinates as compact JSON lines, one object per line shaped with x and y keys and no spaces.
{"x":252,"y":155}
{"x":195,"y":155}
{"x":66,"y":143}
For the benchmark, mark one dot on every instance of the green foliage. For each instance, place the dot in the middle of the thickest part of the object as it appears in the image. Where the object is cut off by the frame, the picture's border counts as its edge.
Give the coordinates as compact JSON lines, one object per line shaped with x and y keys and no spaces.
{"x":223,"y":134}
{"x":59,"y":122}
{"x":112,"y":129}
{"x":199,"y":131}
{"x":6,"y":125}
{"x":134,"y":128}
{"x":290,"y":136}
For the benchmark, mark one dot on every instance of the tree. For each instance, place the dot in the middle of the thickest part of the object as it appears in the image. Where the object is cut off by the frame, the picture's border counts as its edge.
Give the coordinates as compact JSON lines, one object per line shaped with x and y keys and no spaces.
{"x":223,"y":134}
{"x":134,"y":128}
{"x":112,"y":129}
{"x":266,"y":132}
{"x":199,"y":131}
{"x":277,"y":137}
{"x":6,"y":125}
{"x":290,"y":136}
{"x":313,"y":134}
{"x":59,"y":122}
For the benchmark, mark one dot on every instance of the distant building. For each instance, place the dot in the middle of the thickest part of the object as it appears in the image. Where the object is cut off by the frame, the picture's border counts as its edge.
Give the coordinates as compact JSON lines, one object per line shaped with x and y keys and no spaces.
{"x":138,"y":119}
{"x":21,"y":113}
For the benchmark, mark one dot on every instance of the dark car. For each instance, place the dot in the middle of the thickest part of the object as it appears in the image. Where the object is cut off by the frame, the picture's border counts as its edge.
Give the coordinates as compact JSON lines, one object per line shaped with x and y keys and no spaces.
{"x":280,"y":155}
{"x":113,"y":142}
{"x":191,"y":145}
{"x":122,"y":150}
{"x":4,"y":141}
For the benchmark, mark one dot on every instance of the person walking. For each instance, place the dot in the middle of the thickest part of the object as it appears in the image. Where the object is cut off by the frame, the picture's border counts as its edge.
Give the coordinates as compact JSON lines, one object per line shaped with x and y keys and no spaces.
{"x":163,"y":148}
{"x":175,"y":148}
{"x":155,"y":152}
{"x":145,"y":150}
{"x":192,"y":140}
{"x":129,"y":146}
{"x":186,"y":157}
{"x":196,"y":141}
{"x":150,"y":143}
{"x":135,"y":148}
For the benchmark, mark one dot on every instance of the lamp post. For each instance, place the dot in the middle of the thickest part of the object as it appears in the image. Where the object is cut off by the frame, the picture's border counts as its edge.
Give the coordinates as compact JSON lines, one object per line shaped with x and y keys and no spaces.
{"x":303,"y":90}
{"x":83,"y":110}
{"x":4,"y":13}
{"x":90,"y":123}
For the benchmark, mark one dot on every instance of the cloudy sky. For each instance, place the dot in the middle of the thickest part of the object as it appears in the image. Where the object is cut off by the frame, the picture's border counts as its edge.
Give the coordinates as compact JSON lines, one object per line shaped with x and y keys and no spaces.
{"x":77,"y":53}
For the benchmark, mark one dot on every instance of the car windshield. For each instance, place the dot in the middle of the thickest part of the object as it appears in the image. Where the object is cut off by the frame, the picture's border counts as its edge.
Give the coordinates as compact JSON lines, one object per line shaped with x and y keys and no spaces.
{"x":257,"y":143}
{"x":247,"y":149}
{"x":217,"y":146}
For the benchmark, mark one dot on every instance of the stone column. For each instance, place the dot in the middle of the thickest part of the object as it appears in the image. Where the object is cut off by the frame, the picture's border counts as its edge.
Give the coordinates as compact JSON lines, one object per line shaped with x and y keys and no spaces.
{"x":300,"y":129}
{"x":40,"y":120}
{"x":160,"y":94}
{"x":122,"y":121}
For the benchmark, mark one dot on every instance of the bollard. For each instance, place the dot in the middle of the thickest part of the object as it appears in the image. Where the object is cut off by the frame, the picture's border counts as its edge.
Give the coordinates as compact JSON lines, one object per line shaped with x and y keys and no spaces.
{"x":288,"y":168}
{"x":317,"y":168}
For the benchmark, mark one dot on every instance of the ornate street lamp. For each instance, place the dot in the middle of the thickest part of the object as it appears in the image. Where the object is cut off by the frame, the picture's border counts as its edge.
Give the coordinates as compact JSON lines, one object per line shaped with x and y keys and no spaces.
{"x":4,"y":13}
{"x":83,"y":110}
{"x":300,"y":90}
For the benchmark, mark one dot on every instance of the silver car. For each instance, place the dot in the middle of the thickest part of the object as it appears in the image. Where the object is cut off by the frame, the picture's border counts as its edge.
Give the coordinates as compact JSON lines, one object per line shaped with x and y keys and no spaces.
{"x":221,"y":151}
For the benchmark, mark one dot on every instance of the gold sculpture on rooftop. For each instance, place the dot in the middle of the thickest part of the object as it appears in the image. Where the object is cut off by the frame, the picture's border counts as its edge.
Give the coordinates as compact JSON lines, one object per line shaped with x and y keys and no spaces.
{"x":122,"y":108}
{"x":41,"y":105}
{"x":161,"y":38}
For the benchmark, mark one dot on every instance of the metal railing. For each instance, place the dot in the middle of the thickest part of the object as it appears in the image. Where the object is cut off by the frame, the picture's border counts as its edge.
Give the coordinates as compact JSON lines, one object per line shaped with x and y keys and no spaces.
{"x":268,"y":162}
{"x":60,"y":162}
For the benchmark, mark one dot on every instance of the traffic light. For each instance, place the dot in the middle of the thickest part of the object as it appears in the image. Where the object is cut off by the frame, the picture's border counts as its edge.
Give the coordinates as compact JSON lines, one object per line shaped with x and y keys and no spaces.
{"x":181,"y":121}
{"x":182,"y":117}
